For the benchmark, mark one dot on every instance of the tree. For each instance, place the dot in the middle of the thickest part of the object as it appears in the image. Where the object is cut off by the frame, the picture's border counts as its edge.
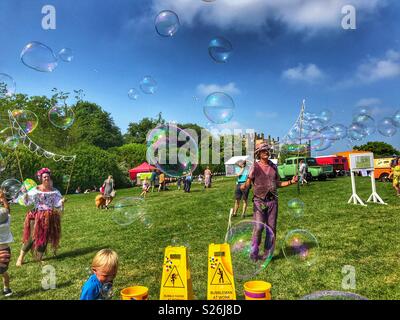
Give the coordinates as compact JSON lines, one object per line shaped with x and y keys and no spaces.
{"x":137,"y":131}
{"x":94,"y":126}
{"x":380,"y":149}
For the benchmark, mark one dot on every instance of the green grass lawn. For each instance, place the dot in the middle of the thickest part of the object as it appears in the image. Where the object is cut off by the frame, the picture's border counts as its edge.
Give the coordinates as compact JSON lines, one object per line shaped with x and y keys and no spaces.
{"x":364,"y":237}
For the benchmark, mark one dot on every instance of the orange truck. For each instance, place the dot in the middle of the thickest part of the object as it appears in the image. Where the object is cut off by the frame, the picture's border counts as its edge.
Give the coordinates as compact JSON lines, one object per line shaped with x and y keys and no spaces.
{"x":383,"y":168}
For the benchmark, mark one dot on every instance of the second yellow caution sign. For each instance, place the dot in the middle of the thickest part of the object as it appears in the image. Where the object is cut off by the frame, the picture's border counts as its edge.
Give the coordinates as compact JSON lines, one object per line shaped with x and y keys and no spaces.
{"x":176,"y":282}
{"x":221,"y":285}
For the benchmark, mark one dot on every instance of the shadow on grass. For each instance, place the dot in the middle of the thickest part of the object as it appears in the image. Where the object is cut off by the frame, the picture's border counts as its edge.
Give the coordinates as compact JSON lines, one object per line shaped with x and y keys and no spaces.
{"x":75,"y":253}
{"x":40,"y":289}
{"x":281,"y":255}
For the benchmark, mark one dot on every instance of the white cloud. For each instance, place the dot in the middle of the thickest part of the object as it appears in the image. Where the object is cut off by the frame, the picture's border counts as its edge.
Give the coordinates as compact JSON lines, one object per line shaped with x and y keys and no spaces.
{"x":375,"y":69}
{"x":244,"y":15}
{"x":368,"y":102}
{"x":206,"y":89}
{"x":309,"y":73}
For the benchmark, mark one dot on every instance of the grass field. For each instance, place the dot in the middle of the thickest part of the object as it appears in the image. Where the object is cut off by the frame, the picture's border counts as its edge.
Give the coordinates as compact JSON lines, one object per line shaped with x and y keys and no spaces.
{"x":364,"y":237}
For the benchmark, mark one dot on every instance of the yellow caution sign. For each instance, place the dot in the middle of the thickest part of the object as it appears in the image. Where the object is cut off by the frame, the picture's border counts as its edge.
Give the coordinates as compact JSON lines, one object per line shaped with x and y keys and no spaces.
{"x":221,"y":285}
{"x":176,"y":282}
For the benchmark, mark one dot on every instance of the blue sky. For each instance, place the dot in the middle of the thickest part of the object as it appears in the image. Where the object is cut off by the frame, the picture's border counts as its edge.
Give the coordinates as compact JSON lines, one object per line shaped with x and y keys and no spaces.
{"x":284,"y":51}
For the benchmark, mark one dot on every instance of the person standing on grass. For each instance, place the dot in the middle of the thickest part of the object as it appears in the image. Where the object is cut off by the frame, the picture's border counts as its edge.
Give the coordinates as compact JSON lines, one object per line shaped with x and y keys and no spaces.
{"x":42,"y":224}
{"x":188,"y":181}
{"x":265,"y":179}
{"x":303,"y":172}
{"x":241,"y":175}
{"x":161,"y":181}
{"x":109,"y":190}
{"x":6,"y":239}
{"x":396,"y":176}
{"x":207,"y":178}
{"x":153,"y":179}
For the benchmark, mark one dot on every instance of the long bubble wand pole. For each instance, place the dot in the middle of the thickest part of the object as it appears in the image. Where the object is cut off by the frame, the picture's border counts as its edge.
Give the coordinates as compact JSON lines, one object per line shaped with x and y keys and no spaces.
{"x":15,"y":150}
{"x":229,"y":225}
{"x":298,"y":149}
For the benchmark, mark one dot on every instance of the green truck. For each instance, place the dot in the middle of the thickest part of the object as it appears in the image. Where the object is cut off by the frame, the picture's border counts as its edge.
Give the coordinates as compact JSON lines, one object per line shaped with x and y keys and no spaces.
{"x":288,"y":169}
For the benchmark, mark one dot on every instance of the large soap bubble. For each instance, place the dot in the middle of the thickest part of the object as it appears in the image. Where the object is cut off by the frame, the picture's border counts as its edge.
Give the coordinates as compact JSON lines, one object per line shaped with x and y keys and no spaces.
{"x":133,"y":94}
{"x":11,"y":188}
{"x":247,"y":261}
{"x":148,"y":85}
{"x":39,"y":57}
{"x":167,"y":23}
{"x":219,"y":107}
{"x":220,"y":49}
{"x":301,"y":247}
{"x":325,"y":116}
{"x":340,"y":131}
{"x":7,"y":85}
{"x":172,"y":150}
{"x":61,"y":116}
{"x":367,"y":122}
{"x":356,"y":132}
{"x":26,"y":119}
{"x":387,"y":127}
{"x":128,"y":210}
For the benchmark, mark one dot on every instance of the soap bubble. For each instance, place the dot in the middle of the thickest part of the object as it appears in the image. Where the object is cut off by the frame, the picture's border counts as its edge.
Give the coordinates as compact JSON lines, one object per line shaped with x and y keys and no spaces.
{"x":318,"y":142}
{"x":133,"y":94}
{"x":11,"y":188}
{"x":366,"y":122}
{"x":172,"y":150}
{"x":219,"y":107}
{"x":363,"y":110}
{"x":396,"y":119}
{"x":296,"y":207}
{"x":29,"y":184}
{"x":387,"y":127}
{"x":328,"y":133}
{"x":356,"y":132}
{"x":39,"y":57}
{"x":12,"y":142}
{"x":128,"y":210}
{"x":61,"y":117}
{"x":316,"y":124}
{"x":246,"y":260}
{"x":333,"y":295}
{"x":301,"y":247}
{"x":167,"y":23}
{"x":66,"y":54}
{"x":340,"y":131}
{"x":325,"y":116}
{"x":7,"y":85}
{"x":220,"y":49}
{"x":26,"y":119}
{"x":106,"y":291}
{"x":148,"y":85}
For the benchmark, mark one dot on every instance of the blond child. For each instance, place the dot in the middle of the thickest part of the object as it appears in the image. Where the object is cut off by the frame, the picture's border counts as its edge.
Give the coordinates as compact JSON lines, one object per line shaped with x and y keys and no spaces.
{"x":145,"y":188}
{"x":5,"y":239}
{"x":104,"y":268}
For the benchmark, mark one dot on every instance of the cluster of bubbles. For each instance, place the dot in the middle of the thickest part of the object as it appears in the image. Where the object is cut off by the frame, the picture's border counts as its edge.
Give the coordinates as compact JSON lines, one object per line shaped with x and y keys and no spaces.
{"x":172,"y":150}
{"x":247,"y":261}
{"x":301,"y":247}
{"x":147,"y":85}
{"x":219,"y":108}
{"x":40,"y":57}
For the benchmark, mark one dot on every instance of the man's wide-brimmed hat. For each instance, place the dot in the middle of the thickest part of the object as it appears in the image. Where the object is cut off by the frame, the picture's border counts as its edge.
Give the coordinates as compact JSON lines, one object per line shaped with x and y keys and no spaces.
{"x":262,"y":147}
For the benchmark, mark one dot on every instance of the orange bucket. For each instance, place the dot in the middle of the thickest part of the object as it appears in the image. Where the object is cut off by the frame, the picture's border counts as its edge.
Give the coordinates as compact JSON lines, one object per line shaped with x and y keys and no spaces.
{"x":135,"y":293}
{"x":257,"y":290}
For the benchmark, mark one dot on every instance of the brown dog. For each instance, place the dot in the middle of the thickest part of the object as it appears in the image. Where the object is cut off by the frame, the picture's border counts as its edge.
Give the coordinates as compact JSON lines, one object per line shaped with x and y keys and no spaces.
{"x":101,"y":201}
